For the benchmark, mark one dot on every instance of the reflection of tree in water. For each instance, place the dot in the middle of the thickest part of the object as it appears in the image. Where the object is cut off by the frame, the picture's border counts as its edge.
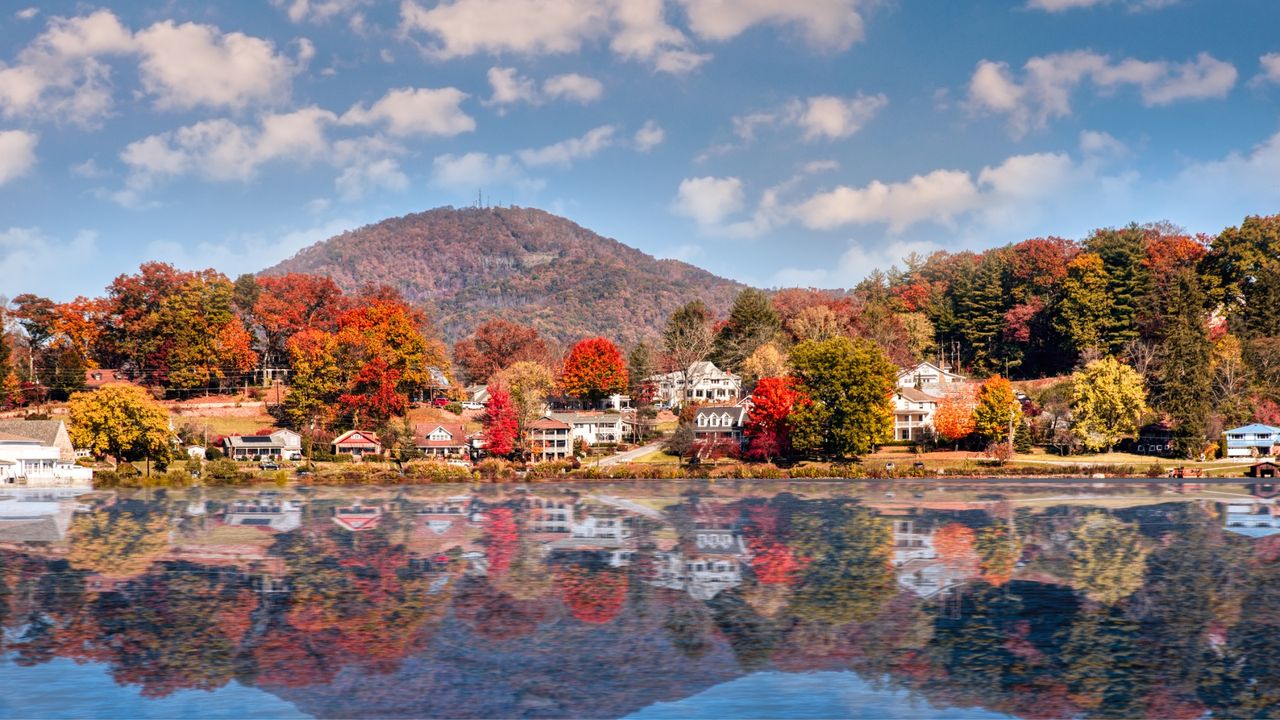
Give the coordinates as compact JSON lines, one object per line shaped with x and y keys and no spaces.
{"x":117,"y":543}
{"x":849,"y":576}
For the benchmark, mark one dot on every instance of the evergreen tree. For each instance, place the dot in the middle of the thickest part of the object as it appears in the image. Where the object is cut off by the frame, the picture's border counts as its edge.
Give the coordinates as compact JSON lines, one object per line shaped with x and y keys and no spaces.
{"x":1184,"y":374}
{"x":981,"y":302}
{"x":1122,"y":253}
{"x":752,"y":322}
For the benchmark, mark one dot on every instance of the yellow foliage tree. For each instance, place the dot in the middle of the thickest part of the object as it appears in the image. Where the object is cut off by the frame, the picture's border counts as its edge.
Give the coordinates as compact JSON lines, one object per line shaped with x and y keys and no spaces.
{"x":121,"y":421}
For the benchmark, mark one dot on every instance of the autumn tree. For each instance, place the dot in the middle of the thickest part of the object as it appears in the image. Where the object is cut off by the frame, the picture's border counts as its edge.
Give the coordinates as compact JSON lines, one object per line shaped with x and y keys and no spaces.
{"x":530,"y":384}
{"x":953,"y":420}
{"x":998,"y":548}
{"x":849,"y":384}
{"x":997,"y":411}
{"x":849,"y":576}
{"x":687,"y":339}
{"x":593,"y":370}
{"x":752,"y":322}
{"x":768,"y":360}
{"x":316,"y":379}
{"x":1108,"y":400}
{"x":1108,"y":559}
{"x":495,"y":345}
{"x":121,"y":421}
{"x":955,"y":544}
{"x":501,"y":422}
{"x":1085,"y":310}
{"x":768,"y":426}
{"x":285,"y":305}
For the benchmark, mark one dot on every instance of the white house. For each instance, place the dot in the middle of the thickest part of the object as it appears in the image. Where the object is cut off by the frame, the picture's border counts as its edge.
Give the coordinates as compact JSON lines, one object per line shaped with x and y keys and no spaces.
{"x":912,"y":413}
{"x":706,"y":383}
{"x":929,"y":377}
{"x":30,"y":462}
{"x":593,"y":428}
{"x":715,"y":422}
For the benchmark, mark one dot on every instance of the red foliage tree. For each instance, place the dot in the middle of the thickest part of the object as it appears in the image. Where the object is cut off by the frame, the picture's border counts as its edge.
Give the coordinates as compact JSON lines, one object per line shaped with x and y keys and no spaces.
{"x":1041,"y":263}
{"x":502,"y":537}
{"x":501,"y":422}
{"x":497,"y":344}
{"x":768,"y":427}
{"x":595,"y":368}
{"x":289,"y":304}
{"x":374,"y":397}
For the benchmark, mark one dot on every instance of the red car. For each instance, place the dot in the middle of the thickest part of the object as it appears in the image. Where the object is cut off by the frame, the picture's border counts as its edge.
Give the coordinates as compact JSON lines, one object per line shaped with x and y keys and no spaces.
{"x":440,"y":402}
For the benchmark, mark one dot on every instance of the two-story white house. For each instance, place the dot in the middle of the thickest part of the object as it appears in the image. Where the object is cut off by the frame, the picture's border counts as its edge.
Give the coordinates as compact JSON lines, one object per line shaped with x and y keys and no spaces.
{"x":593,"y":428}
{"x":930,"y":378}
{"x":913,"y":413}
{"x":706,"y":383}
{"x":717,"y":422}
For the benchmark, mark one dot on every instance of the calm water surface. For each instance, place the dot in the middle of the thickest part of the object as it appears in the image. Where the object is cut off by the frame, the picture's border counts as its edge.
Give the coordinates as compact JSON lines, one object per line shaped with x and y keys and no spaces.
{"x":651,"y":600}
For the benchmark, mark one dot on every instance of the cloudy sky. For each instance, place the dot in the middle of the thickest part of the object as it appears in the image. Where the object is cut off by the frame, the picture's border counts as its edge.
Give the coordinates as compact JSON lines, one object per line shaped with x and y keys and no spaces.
{"x":777,"y":142}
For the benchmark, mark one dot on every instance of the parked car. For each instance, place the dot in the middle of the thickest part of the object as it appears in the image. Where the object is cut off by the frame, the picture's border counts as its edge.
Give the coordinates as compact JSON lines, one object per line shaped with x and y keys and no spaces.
{"x":440,"y":402}
{"x":469,"y":405}
{"x":269,"y":465}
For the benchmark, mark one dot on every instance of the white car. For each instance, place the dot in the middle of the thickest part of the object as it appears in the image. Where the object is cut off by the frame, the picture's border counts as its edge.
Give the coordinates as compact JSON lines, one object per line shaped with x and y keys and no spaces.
{"x":469,"y":405}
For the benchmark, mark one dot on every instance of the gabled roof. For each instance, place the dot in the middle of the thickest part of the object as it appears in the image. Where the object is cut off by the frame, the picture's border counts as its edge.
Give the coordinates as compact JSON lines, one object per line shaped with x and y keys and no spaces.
{"x":1254,"y":428}
{"x":458,"y":435}
{"x":17,"y":439}
{"x":549,"y":423}
{"x":737,"y":412}
{"x":926,"y":364}
{"x":46,"y":431}
{"x":363,"y":437}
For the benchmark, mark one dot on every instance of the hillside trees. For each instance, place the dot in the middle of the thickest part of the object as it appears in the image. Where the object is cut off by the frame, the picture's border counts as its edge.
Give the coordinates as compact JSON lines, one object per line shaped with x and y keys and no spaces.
{"x":529,"y":384}
{"x":752,"y":322}
{"x":849,"y":384}
{"x":496,"y":344}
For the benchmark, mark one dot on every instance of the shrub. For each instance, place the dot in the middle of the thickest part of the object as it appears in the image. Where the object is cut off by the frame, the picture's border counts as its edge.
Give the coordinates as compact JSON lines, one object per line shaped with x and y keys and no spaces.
{"x":437,"y":472}
{"x":496,"y":470}
{"x":213,"y":453}
{"x":225,"y":472}
{"x":454,"y":407}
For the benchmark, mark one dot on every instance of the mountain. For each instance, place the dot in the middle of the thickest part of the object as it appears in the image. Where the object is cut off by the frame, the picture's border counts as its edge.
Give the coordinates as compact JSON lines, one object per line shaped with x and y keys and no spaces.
{"x":521,"y":264}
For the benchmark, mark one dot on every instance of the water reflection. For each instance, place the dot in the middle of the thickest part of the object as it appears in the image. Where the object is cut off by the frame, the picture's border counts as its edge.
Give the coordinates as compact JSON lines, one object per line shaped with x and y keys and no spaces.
{"x":1035,"y":600}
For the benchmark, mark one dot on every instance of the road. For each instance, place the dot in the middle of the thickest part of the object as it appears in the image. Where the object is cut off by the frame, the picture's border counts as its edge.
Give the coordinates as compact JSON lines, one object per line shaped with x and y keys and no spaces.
{"x":629,"y":455}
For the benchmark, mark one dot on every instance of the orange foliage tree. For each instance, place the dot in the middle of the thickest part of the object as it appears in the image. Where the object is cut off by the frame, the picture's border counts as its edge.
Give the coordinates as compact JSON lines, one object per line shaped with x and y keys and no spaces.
{"x":954,"y":543}
{"x":595,"y":368}
{"x":953,"y":420}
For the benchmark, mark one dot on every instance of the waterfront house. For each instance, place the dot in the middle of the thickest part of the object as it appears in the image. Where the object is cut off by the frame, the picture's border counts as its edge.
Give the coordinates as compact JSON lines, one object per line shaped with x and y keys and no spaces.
{"x":357,"y":443}
{"x":1256,"y":440}
{"x":50,"y":433}
{"x":913,"y":414}
{"x":593,"y":427}
{"x":444,"y":441}
{"x":551,"y":439}
{"x":706,"y":383}
{"x":720,"y":422}
{"x":32,"y":462}
{"x":253,"y":447}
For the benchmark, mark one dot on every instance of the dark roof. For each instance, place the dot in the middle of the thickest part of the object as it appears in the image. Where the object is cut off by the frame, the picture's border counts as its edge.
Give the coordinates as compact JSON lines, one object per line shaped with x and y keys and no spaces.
{"x":46,"y":431}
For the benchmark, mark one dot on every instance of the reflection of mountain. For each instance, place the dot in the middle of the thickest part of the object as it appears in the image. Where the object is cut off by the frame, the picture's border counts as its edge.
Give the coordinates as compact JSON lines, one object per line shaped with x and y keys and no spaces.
{"x":562,"y":668}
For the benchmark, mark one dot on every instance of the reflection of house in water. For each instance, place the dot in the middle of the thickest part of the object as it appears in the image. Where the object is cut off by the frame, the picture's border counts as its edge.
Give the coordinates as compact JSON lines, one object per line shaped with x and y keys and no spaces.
{"x":1253,"y":518}
{"x":549,"y":515}
{"x":598,"y":528}
{"x":36,"y":515}
{"x":357,"y":517}
{"x":267,"y":512}
{"x":915,"y":559}
{"x":441,"y":525}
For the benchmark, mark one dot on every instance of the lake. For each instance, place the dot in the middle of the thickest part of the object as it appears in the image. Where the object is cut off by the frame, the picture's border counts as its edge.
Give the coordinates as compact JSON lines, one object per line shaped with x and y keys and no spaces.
{"x":648,"y":600}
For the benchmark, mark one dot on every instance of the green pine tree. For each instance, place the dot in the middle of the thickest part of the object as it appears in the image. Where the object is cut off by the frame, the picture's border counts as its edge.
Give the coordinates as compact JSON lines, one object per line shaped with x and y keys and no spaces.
{"x":1184,"y":376}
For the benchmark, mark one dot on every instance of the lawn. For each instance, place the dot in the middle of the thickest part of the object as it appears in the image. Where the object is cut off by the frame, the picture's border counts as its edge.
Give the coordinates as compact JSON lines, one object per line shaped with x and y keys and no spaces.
{"x":225,"y":425}
{"x":657,"y":457}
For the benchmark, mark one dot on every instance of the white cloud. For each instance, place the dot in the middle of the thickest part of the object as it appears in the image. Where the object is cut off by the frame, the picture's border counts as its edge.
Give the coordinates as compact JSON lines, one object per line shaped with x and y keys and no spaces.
{"x":1097,"y":145}
{"x":371,"y":174}
{"x":573,"y":87}
{"x":27,"y":13}
{"x":41,"y":263}
{"x":854,"y":264}
{"x":63,"y":72}
{"x":89,"y":169}
{"x":939,"y":195}
{"x":528,"y":27}
{"x":825,"y":24}
{"x":1044,"y":91}
{"x":1270,"y":64}
{"x":17,"y":154}
{"x":416,"y":111}
{"x":565,"y":152}
{"x":510,"y":87}
{"x":189,"y":65}
{"x":649,"y":136}
{"x":474,"y":170}
{"x":644,"y":35}
{"x":709,"y":200}
{"x":1057,"y":6}
{"x":831,"y":117}
{"x":822,"y":117}
{"x":319,"y":11}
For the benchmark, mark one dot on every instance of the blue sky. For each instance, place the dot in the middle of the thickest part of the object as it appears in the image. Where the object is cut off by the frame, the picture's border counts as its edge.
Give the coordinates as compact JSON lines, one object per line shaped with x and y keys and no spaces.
{"x":777,"y":142}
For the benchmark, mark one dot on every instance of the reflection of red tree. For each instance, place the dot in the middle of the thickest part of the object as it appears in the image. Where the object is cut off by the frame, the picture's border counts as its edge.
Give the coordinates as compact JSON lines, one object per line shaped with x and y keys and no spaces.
{"x":495,"y":614}
{"x":502,"y":539}
{"x":593,"y":597}
{"x":289,"y":658}
{"x":773,"y":562}
{"x":954,"y":543}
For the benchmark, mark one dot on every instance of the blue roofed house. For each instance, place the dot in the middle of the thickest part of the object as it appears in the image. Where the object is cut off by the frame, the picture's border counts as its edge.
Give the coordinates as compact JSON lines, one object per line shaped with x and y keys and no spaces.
{"x":1254,"y":440}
